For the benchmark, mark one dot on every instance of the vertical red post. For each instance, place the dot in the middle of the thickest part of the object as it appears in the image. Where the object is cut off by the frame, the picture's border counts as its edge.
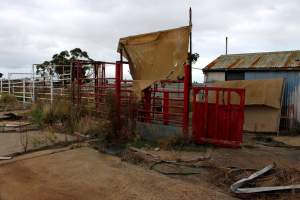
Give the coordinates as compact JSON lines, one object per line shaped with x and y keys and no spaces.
{"x":166,"y":108}
{"x":205,"y":112}
{"x":73,"y":82}
{"x":217,"y":113}
{"x":241,"y":114}
{"x":147,"y":105}
{"x":186,"y":101}
{"x":118,"y":91}
{"x":96,"y":86}
{"x":195,"y":91}
{"x":103,"y":82}
{"x":228,"y":122}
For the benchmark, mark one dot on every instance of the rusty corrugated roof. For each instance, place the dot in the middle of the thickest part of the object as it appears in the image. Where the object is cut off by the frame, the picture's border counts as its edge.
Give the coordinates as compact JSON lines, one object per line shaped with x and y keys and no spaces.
{"x":283,"y":60}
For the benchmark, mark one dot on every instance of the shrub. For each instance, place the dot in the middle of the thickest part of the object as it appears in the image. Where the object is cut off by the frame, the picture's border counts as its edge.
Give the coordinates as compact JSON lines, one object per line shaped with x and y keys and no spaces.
{"x":38,"y":115}
{"x":61,"y":111}
{"x":72,"y":118}
{"x":51,"y":137}
{"x":8,"y":101}
{"x":123,"y":123}
{"x":37,"y":142}
{"x":95,"y":127}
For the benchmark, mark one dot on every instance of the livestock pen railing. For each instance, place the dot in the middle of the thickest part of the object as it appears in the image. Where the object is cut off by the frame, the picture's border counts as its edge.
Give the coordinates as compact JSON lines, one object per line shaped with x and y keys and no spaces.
{"x":166,"y":102}
{"x":31,"y":87}
{"x":56,"y":81}
{"x":99,"y":86}
{"x":19,"y":85}
{"x":218,"y":113}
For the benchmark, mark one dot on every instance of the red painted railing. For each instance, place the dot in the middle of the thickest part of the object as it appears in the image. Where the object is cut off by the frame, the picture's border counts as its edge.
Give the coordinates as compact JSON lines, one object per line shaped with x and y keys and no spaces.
{"x":92,"y":88}
{"x":218,"y":113}
{"x":166,"y":102}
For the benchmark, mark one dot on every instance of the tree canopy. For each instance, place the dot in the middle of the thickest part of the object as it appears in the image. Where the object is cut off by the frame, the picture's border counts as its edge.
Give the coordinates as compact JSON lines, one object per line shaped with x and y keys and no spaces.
{"x":193,"y":57}
{"x":63,"y":58}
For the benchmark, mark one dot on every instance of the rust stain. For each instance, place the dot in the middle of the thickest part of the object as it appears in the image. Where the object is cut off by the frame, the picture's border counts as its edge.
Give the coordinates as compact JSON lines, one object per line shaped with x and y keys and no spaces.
{"x":298,"y":63}
{"x":289,"y":59}
{"x":242,"y":62}
{"x":210,"y":65}
{"x":264,"y":60}
{"x":255,"y":62}
{"x":234,"y":63}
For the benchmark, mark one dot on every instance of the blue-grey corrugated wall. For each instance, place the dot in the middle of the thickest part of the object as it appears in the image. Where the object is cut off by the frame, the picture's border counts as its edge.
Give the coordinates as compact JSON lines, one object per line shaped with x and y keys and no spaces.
{"x":291,"y":96}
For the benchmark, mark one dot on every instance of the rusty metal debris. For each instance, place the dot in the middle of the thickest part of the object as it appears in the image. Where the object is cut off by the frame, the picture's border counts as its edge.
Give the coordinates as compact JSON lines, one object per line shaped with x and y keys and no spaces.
{"x":236,"y":187}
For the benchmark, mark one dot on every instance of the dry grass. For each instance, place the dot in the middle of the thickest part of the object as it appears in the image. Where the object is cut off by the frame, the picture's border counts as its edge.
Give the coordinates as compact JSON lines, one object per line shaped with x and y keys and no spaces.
{"x":169,"y":142}
{"x":8,"y":102}
{"x":95,"y":127}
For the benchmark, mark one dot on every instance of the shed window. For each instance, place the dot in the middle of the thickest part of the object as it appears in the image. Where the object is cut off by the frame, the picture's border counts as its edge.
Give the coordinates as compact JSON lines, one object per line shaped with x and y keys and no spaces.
{"x":234,"y":76}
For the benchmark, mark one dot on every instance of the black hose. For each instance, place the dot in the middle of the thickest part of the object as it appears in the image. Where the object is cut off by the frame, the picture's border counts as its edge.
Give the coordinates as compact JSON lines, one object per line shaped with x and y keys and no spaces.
{"x":152,"y":167}
{"x":176,"y":163}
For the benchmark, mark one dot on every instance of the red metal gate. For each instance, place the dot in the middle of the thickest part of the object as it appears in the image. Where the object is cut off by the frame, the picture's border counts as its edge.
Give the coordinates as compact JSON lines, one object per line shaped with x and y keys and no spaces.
{"x":218,"y":115}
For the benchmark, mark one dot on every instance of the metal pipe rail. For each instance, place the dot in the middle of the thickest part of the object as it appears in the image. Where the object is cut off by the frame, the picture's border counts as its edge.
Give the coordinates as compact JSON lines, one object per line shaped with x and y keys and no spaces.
{"x":166,"y":102}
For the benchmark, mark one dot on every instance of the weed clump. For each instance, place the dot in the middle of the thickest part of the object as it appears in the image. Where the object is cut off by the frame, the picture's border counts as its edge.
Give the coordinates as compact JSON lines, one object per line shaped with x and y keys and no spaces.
{"x":108,"y":126}
{"x":38,"y":115}
{"x":8,"y":101}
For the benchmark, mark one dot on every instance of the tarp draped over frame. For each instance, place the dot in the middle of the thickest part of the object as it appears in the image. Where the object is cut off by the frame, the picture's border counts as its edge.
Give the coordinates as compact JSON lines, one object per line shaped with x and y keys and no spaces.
{"x":258,"y":92}
{"x":262,"y":102}
{"x":156,"y":56}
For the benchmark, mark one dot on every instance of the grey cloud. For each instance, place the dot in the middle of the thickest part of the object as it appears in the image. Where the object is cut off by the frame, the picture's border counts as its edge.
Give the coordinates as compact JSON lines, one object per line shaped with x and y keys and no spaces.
{"x":33,"y":30}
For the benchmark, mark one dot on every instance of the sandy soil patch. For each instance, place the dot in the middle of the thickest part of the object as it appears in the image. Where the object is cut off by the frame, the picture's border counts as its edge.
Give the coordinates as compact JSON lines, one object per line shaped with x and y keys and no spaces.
{"x":87,"y":174}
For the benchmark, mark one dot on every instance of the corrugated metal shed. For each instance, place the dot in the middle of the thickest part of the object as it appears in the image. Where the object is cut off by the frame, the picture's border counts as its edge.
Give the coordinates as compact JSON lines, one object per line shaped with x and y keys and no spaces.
{"x":267,"y":65}
{"x":283,"y":60}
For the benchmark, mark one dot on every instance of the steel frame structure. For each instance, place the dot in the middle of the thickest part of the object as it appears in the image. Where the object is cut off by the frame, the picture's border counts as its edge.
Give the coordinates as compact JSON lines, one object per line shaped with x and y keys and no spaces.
{"x":93,"y":90}
{"x":162,"y":104}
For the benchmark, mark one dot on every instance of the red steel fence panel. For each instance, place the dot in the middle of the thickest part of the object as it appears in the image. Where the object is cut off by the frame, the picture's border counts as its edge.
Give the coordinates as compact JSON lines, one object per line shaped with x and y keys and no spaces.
{"x":218,"y":115}
{"x":163,"y":103}
{"x":166,"y":102}
{"x":92,"y":85}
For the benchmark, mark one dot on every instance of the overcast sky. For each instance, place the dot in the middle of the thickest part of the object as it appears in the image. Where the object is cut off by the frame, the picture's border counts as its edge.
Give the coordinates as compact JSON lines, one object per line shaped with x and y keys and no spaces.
{"x":33,"y":30}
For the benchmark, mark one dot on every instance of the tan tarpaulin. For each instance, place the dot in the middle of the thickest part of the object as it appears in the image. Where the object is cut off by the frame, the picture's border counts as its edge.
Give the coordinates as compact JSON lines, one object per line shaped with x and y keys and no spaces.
{"x":263,"y":103}
{"x":258,"y":92}
{"x":156,"y":56}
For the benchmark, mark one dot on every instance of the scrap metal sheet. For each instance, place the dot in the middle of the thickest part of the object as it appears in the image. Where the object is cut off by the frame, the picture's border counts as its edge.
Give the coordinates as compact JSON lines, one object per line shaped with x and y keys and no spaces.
{"x":237,"y":186}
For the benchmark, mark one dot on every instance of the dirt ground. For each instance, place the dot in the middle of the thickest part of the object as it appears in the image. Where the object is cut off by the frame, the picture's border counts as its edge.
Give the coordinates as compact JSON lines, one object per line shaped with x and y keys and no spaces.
{"x":293,"y":141}
{"x":217,"y":169}
{"x":84,"y":173}
{"x":10,"y":142}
